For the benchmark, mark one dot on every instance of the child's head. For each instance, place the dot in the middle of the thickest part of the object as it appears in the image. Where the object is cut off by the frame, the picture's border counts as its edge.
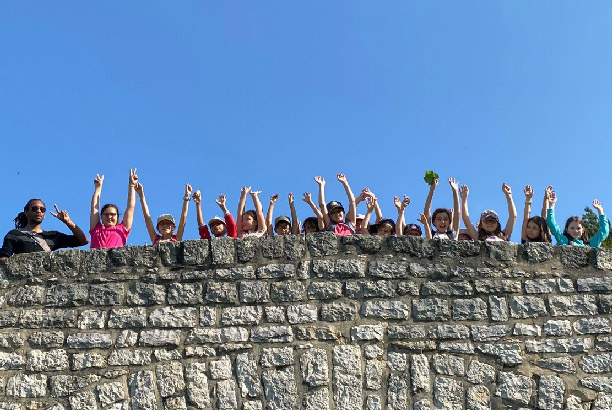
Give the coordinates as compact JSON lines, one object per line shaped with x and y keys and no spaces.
{"x":217,"y":226}
{"x":442,"y":219}
{"x":575,"y":228}
{"x":110,"y":215}
{"x":413,"y":230}
{"x":282,"y":225}
{"x":335,"y":210}
{"x":489,"y":225}
{"x":536,"y":230}
{"x":249,"y":221}
{"x":310,"y":225}
{"x":165,"y":225}
{"x":464,"y":235}
{"x":385,"y":227}
{"x":358,"y":221}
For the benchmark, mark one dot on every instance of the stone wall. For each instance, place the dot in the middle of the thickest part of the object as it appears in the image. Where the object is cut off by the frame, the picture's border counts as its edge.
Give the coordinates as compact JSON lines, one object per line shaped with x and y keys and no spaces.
{"x":316,"y":322}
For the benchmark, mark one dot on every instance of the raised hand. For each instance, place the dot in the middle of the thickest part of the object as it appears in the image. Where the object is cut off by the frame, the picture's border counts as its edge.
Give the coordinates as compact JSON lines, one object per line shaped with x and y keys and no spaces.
{"x":341,"y":178}
{"x":453,"y":184}
{"x":245,"y":190}
{"x":255,"y":193}
{"x":290,"y":198}
{"x":273,"y":199}
{"x":61,"y":215}
{"x":465,"y":191}
{"x":319,"y":180}
{"x":133,"y":177}
{"x":597,"y":205}
{"x":506,"y":189}
{"x":423,"y":220}
{"x":552,"y":198}
{"x":188,"y":190}
{"x":397,"y":203}
{"x":197,"y":197}
{"x":221,"y":200}
{"x":405,"y":202}
{"x":307,"y":197}
{"x":98,"y":181}
{"x":434,"y":184}
{"x":528,"y":192}
{"x":371,"y":202}
{"x":139,"y":189}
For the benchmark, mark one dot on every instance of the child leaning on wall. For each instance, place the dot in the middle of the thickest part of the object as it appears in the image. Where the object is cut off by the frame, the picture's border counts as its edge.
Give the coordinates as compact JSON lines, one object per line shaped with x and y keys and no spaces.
{"x":218,"y":226}
{"x":333,"y":212}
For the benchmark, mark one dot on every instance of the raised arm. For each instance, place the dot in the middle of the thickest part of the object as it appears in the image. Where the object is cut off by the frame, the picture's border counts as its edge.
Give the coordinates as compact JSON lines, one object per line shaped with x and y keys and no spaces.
{"x":145,"y":211}
{"x":426,"y":225}
{"x":261,"y":221}
{"x":230,"y":224}
{"x":321,"y":182}
{"x":604,"y":228}
{"x":465,"y":191}
{"x":545,"y":201}
{"x":511,"y":210}
{"x":295,"y":222}
{"x":351,"y":215}
{"x":76,"y":231}
{"x":183,"y":221}
{"x":197,"y":198}
{"x":243,"y":194}
{"x":128,"y":216}
{"x":366,"y":192}
{"x":371,"y":201}
{"x":526,"y":211}
{"x":550,"y":218}
{"x":456,"y":209}
{"x":399,"y":223}
{"x":94,"y":214}
{"x":308,"y":199}
{"x":427,"y":209}
{"x":270,"y":215}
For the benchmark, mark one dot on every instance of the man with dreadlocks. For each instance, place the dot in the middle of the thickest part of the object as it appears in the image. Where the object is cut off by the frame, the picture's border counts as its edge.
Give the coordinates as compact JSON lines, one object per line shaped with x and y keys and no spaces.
{"x":28,"y":235}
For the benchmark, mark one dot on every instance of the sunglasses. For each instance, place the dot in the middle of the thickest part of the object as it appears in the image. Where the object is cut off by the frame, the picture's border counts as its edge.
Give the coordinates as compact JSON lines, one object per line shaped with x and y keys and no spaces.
{"x":38,"y":208}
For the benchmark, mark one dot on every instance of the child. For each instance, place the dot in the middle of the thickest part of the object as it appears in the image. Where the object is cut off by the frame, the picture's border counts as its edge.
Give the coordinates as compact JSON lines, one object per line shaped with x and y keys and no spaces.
{"x":489,"y":228}
{"x":575,"y":232}
{"x":445,"y":221}
{"x":400,"y":226}
{"x":282,"y":225}
{"x":333,"y":212}
{"x":252,"y":222}
{"x":365,"y":228}
{"x":218,"y":227}
{"x":312,"y":224}
{"x":165,"y":224}
{"x":386,"y":227}
{"x":110,"y":233}
{"x":534,"y":229}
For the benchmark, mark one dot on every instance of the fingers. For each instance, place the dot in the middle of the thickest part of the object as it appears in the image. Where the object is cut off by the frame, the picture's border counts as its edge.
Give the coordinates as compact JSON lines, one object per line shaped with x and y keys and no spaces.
{"x":56,"y":208}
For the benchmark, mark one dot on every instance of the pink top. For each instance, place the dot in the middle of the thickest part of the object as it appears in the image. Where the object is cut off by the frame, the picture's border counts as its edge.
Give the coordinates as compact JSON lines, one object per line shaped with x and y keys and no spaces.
{"x":342,"y":229}
{"x":158,"y":239}
{"x":108,"y":237}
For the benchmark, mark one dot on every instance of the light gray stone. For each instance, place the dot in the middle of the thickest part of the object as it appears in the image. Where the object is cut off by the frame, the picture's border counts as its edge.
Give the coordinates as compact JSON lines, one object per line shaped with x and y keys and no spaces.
{"x":525,"y":329}
{"x":276,"y":356}
{"x":196,"y":384}
{"x":506,"y":353}
{"x":130,"y":357}
{"x":317,"y":399}
{"x":486,"y":333}
{"x":160,"y":337}
{"x":592,"y":325}
{"x":602,"y":384}
{"x":127,"y":317}
{"x":247,"y":376}
{"x":85,"y":400}
{"x":522,"y":307}
{"x":347,"y":377}
{"x":428,"y":310}
{"x":174,"y":317}
{"x":91,"y":319}
{"x":499,"y":308}
{"x":225,"y":393}
{"x":478,"y":398}
{"x":63,"y":385}
{"x":241,"y":315}
{"x":419,"y":373}
{"x":405,"y":331}
{"x":88,"y":360}
{"x":557,"y":328}
{"x":170,"y":380}
{"x":373,"y":375}
{"x":27,"y":385}
{"x":109,"y":393}
{"x":221,"y":369}
{"x":575,"y":345}
{"x":469,"y":309}
{"x":280,"y":389}
{"x":367,"y":332}
{"x":40,"y":361}
{"x":514,"y":387}
{"x":397,"y":392}
{"x":448,"y":393}
{"x":449,"y":365}
{"x":597,"y":363}
{"x":574,"y":305}
{"x":480,"y":373}
{"x":313,"y":364}
{"x":558,"y":364}
{"x":550,"y":393}
{"x":11,"y":361}
{"x":126,"y":338}
{"x":397,"y":361}
{"x":449,"y":332}
{"x":272,"y":334}
{"x":302,"y":313}
{"x":540,"y":285}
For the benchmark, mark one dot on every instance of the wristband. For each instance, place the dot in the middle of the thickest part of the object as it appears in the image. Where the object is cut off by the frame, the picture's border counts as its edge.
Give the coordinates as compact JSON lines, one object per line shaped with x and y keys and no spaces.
{"x":186,"y":198}
{"x":527,"y":202}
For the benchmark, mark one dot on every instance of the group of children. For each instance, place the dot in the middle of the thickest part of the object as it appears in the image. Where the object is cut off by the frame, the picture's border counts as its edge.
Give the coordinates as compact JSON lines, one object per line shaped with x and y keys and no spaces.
{"x":108,"y":232}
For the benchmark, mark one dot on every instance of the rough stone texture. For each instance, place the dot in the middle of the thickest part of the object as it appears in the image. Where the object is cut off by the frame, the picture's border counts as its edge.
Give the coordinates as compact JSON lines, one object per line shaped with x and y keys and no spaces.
{"x":308,"y":322}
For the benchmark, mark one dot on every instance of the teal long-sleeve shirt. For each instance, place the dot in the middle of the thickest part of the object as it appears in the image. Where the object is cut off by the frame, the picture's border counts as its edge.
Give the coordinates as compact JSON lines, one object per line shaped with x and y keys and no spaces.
{"x":594,"y":242}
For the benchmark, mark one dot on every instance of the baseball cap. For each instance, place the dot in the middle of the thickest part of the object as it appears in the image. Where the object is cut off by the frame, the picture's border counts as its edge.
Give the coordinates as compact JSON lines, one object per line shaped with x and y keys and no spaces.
{"x":215,"y":220}
{"x":333,"y":205}
{"x":489,"y":213}
{"x":282,"y":219}
{"x":165,"y":217}
{"x":412,"y":227}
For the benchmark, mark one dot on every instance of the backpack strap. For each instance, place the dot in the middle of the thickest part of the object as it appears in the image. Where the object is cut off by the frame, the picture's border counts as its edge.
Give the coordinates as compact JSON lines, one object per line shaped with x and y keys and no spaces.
{"x":41,"y":242}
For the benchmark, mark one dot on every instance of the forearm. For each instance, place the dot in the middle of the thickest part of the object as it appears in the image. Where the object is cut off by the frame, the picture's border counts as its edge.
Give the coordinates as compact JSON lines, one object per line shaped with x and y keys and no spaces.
{"x":182,"y":221}
{"x":399,"y":223}
{"x":76,"y":231}
{"x":261,"y":222}
{"x":379,"y":214}
{"x":269,"y":217}
{"x":295,"y":222}
{"x":456,"y":209}
{"x":511,"y":216}
{"x":526,"y":213}
{"x":466,"y":220}
{"x":94,"y":215}
{"x":427,"y":208}
{"x":351,"y":198}
{"x":128,"y":216}
{"x":199,"y":215}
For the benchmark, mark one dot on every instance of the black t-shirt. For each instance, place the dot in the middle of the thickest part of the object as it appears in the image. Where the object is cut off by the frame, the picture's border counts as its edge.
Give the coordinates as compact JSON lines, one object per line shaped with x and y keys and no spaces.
{"x":16,"y":241}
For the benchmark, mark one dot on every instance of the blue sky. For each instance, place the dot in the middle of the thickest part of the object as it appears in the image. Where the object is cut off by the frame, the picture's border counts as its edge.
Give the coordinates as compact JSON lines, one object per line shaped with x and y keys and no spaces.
{"x":269,"y":94}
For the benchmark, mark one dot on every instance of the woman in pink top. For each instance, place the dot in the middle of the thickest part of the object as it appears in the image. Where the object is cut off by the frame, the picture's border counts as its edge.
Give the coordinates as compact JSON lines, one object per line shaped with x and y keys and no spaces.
{"x":110,"y":233}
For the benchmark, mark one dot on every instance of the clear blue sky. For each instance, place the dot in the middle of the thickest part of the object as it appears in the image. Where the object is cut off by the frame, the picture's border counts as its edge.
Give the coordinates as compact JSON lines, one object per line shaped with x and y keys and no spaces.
{"x":269,"y":94}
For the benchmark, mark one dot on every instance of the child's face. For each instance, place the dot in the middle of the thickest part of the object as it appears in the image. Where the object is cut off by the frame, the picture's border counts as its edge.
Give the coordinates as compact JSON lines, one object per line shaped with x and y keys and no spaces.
{"x":359,"y":229}
{"x":218,"y":229}
{"x":248,"y":223}
{"x":165,"y":228}
{"x":489,"y":224}
{"x":310,"y":228}
{"x":575,"y":229}
{"x":442,"y":222}
{"x":464,"y":237}
{"x":413,"y":232}
{"x":282,"y":228}
{"x":533,"y":230}
{"x":337,"y":215}
{"x":385,"y":230}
